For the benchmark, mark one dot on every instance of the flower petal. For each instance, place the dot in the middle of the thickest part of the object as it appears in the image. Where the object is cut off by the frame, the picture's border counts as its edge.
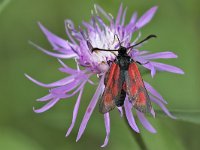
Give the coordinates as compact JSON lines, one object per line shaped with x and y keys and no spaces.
{"x":90,"y":108}
{"x":46,"y":106}
{"x":152,"y":91}
{"x":163,"y":55}
{"x":65,"y":88}
{"x":98,"y":8}
{"x":45,"y":98}
{"x":88,"y":26}
{"x":168,"y":68}
{"x":162,"y":106}
{"x":136,"y":39}
{"x":72,"y":55}
{"x":147,"y":64}
{"x":69,"y":25}
{"x":129,"y":115}
{"x":67,"y":95}
{"x":75,"y":112}
{"x":107,"y":126}
{"x":131,"y":24}
{"x":146,"y":18}
{"x":120,"y":111}
{"x":57,"y":83}
{"x":66,"y":68}
{"x":153,"y":112}
{"x":55,"y":41}
{"x":145,"y":122}
{"x":124,"y":16}
{"x":119,"y":15}
{"x":150,"y":67}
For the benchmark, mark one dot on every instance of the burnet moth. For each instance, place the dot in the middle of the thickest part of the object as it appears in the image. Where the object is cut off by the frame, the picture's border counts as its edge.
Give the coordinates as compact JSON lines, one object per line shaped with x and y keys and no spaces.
{"x":124,"y":78}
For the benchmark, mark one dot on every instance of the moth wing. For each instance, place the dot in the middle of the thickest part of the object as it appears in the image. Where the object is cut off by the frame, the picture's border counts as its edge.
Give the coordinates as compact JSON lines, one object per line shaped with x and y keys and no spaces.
{"x":113,"y":87}
{"x":136,"y":90}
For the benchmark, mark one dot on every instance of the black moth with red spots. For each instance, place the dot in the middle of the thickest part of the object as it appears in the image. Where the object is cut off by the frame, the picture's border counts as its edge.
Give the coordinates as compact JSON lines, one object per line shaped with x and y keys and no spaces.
{"x":124,"y":78}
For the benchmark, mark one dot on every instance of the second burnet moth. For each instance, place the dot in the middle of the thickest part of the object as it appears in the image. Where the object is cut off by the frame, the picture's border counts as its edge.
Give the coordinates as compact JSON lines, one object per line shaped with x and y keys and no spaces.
{"x":123,"y":78}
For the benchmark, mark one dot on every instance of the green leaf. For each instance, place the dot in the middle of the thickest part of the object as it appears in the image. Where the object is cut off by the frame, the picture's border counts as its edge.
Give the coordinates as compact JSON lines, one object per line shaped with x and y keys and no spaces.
{"x":192,"y":116}
{"x":3,"y":4}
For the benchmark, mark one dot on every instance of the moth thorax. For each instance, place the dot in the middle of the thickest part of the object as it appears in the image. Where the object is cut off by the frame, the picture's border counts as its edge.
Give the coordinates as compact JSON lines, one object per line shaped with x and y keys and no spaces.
{"x":124,"y":62}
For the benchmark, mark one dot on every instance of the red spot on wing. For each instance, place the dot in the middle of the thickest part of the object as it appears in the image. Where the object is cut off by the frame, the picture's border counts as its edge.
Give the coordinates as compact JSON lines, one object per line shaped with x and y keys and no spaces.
{"x":132,"y":83}
{"x":116,"y":77}
{"x":141,"y":98}
{"x":135,"y":73}
{"x":136,"y":89}
{"x":109,"y":75}
{"x":107,"y":98}
{"x":112,"y":88}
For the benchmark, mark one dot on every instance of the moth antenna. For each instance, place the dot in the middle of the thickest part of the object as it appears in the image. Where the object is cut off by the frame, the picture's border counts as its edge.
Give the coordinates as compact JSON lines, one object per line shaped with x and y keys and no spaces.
{"x":98,"y":49}
{"x":117,"y":39}
{"x":147,"y":38}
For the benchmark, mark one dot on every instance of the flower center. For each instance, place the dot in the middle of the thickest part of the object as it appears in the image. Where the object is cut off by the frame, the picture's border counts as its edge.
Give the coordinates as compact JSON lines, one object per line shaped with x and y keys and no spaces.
{"x":103,"y":39}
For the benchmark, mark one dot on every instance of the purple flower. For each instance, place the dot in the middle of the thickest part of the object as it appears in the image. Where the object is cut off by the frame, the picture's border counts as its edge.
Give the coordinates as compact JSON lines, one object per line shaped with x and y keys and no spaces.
{"x":100,"y":35}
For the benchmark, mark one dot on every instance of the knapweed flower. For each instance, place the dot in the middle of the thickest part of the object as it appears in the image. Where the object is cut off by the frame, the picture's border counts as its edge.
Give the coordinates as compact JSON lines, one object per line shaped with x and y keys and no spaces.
{"x":98,"y":34}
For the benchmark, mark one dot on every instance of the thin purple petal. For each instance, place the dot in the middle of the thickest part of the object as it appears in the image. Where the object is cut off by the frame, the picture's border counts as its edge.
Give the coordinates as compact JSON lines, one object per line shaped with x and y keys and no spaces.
{"x":150,"y":67}
{"x":88,"y":26}
{"x":98,"y":8}
{"x":69,"y":25}
{"x":75,"y":112}
{"x":66,"y":68}
{"x":145,"y":122}
{"x":55,"y":41}
{"x":73,"y":93}
{"x":131,"y":24}
{"x":119,"y":15}
{"x":147,"y":64}
{"x":120,"y":111}
{"x":72,"y":55}
{"x":107,"y":126}
{"x":46,"y":106}
{"x":91,"y":82}
{"x":136,"y":39}
{"x":153,"y":112}
{"x":57,"y":83}
{"x":45,"y":98}
{"x":100,"y":22}
{"x":168,"y":68}
{"x":151,"y":90}
{"x":124,"y":16}
{"x":146,"y":18}
{"x":90,"y":109}
{"x":65,"y":88}
{"x":162,"y":106}
{"x":163,"y":55}
{"x":133,"y":18}
{"x":129,"y":116}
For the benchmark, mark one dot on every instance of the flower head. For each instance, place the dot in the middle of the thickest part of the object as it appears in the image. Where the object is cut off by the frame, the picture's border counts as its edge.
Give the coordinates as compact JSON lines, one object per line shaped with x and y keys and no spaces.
{"x":97,"y":34}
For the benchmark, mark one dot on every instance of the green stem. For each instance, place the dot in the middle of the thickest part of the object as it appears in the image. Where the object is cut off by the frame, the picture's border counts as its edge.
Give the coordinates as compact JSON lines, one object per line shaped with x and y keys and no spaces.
{"x":136,"y":135}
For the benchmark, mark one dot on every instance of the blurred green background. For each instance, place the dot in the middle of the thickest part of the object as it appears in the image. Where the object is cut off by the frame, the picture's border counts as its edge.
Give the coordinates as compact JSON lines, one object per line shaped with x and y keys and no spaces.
{"x":177,"y":25}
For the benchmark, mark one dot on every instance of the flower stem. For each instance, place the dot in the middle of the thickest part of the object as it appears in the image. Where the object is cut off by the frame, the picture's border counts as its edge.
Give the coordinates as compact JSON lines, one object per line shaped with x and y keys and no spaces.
{"x":136,"y":135}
